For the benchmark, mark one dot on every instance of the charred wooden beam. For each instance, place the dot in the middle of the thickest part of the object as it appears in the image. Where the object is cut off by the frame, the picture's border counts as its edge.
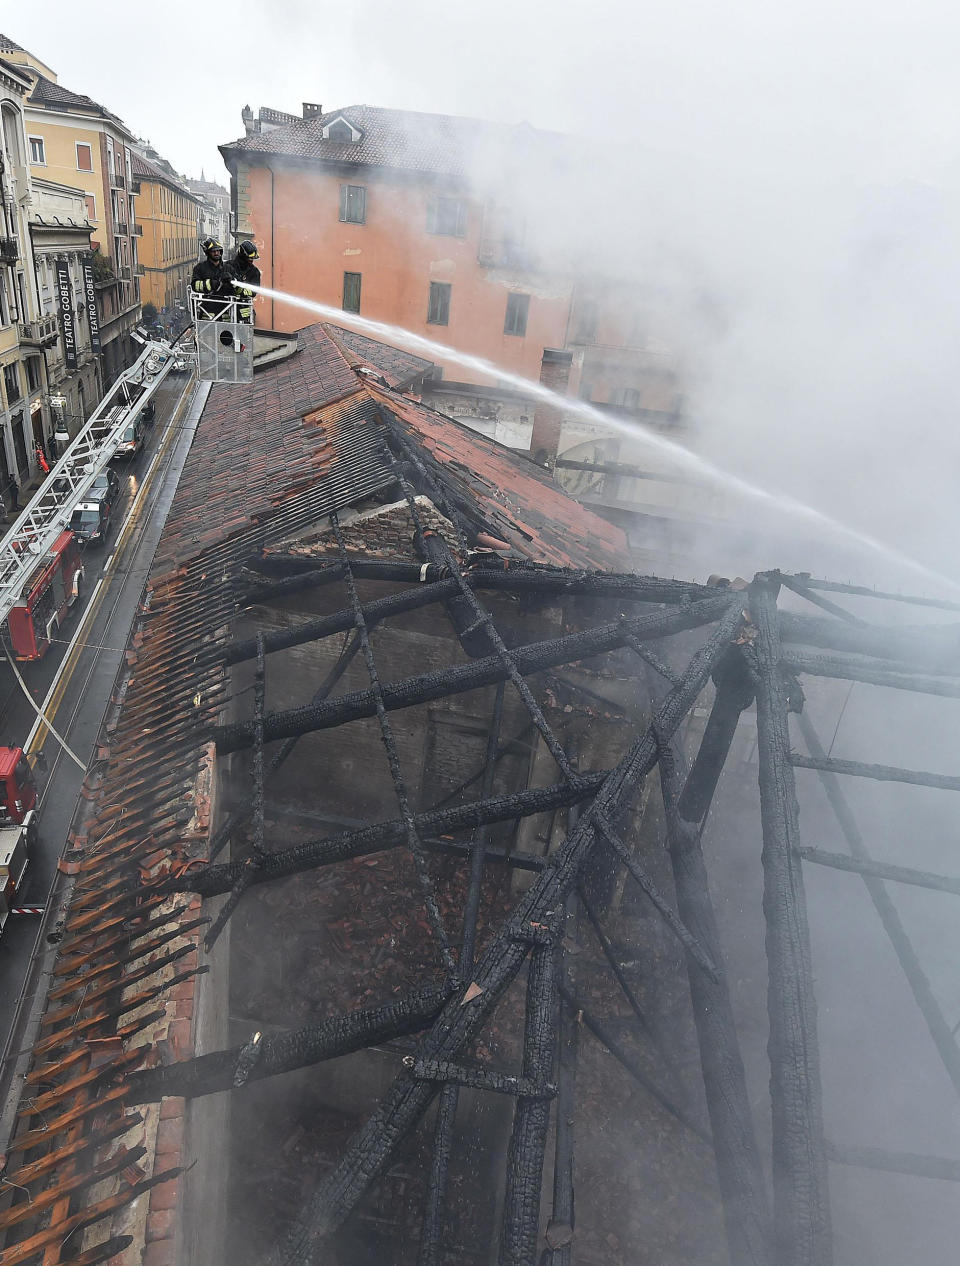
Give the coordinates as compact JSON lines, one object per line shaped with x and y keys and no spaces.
{"x":928,"y":648}
{"x":298,"y":1048}
{"x":562,"y":1224}
{"x":210,"y":881}
{"x":872,"y":672}
{"x":363,"y":568}
{"x":236,"y":819}
{"x":739,"y":1170}
{"x":735,"y":691}
{"x":673,"y":921}
{"x":463,"y":1017}
{"x":801,"y":1204}
{"x":474,"y":1078}
{"x":527,"y":659}
{"x":804,"y":590}
{"x":882,"y":773}
{"x":531,"y":1120}
{"x":860,"y":591}
{"x":903,"y":947}
{"x":882,"y":870}
{"x":917,"y":1165}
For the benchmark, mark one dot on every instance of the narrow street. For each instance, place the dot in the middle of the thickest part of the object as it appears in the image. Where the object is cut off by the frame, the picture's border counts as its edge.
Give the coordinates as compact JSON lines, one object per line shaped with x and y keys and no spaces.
{"x":74,"y":682}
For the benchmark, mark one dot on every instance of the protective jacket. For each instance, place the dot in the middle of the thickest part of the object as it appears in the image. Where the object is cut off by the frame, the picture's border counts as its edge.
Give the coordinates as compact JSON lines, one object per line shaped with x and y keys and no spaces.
{"x":244,"y":270}
{"x":215,"y":280}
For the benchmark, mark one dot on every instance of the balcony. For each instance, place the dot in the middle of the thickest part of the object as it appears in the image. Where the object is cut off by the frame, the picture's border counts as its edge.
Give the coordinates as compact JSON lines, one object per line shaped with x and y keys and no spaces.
{"x":135,"y":185}
{"x":123,"y":272}
{"x":121,"y":228}
{"x":42,"y":333}
{"x":9,"y":250}
{"x":139,"y":270}
{"x":138,"y":230}
{"x":118,"y":180}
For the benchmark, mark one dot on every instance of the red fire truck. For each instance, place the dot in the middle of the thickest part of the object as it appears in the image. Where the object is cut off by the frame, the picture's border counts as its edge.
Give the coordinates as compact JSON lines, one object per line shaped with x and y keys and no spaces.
{"x":47,"y":595}
{"x":18,"y":826}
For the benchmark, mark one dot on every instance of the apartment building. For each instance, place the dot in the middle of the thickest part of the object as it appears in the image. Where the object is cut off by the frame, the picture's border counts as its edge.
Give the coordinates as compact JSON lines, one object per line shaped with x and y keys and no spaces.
{"x":166,"y":228}
{"x":75,"y":141}
{"x":25,"y":337}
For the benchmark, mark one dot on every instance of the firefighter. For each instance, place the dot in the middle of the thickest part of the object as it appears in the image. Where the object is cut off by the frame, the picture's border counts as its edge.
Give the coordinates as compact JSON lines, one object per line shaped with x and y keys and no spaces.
{"x":213,"y":277}
{"x":245,"y":270}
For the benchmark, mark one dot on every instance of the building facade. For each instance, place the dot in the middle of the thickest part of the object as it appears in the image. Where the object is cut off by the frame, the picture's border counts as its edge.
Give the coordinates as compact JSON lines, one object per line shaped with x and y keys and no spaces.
{"x":60,"y":235}
{"x":73,"y":140}
{"x":167,"y":230}
{"x":26,"y":336}
{"x":385,"y":213}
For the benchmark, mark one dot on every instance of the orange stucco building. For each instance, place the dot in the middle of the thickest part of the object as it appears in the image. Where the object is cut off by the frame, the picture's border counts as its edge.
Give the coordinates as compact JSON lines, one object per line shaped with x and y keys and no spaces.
{"x":382,"y":212}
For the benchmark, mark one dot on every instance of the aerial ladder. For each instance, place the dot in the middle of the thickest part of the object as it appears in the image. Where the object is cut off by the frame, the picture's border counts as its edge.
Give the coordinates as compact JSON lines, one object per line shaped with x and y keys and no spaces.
{"x":38,"y":556}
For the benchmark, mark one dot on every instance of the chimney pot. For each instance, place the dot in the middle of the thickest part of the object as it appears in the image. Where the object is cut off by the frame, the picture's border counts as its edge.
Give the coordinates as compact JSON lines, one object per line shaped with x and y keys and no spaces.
{"x":548,"y":420}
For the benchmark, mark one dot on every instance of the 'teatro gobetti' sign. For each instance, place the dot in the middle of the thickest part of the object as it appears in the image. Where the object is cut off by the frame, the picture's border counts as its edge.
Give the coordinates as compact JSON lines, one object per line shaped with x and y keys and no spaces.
{"x":90,"y":293}
{"x":68,"y":320}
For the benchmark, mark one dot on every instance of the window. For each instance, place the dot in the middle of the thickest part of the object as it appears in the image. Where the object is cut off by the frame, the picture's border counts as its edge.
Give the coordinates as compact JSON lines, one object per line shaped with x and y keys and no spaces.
{"x":516,"y":319}
{"x":438,"y":310}
{"x":84,"y":157}
{"x":33,"y":373}
{"x":37,"y":155}
{"x":351,"y":292}
{"x":11,"y":382}
{"x":340,"y":131}
{"x":447,"y":217}
{"x":91,"y":202}
{"x":353,"y":204}
{"x":586,"y":321}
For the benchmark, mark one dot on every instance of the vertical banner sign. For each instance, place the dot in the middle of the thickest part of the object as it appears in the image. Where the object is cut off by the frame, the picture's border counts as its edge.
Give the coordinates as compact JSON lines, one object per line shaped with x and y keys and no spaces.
{"x":68,"y":320}
{"x":93,"y":316}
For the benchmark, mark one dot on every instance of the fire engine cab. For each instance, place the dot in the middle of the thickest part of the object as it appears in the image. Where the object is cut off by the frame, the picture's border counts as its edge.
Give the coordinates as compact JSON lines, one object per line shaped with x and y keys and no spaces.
{"x":47,"y":595}
{"x":18,"y":790}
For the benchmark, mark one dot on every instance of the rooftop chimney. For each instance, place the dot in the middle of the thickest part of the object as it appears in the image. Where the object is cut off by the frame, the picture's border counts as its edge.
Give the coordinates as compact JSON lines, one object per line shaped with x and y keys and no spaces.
{"x":547,"y":419}
{"x":311,"y":109}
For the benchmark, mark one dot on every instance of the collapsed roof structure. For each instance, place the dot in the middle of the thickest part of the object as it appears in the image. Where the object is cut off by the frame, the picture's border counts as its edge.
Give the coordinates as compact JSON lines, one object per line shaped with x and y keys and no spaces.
{"x":462,"y":957}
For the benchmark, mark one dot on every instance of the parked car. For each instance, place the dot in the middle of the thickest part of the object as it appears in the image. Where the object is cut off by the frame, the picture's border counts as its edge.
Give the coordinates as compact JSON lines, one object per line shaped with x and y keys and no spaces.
{"x":90,"y":521}
{"x":132,"y":441}
{"x":149,"y":412}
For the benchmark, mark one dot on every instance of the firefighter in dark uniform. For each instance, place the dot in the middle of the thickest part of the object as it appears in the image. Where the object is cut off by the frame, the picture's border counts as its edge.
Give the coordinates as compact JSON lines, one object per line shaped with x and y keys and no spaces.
{"x":245,"y":270}
{"x":212,"y":277}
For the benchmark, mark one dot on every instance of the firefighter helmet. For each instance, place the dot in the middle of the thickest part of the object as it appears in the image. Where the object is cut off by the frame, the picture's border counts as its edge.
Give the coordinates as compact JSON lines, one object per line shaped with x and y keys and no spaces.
{"x":247,"y":250}
{"x":209,"y":245}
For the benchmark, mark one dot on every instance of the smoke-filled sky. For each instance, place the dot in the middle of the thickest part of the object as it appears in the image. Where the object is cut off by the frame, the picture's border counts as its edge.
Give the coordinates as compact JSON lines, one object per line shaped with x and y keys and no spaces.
{"x":791,"y":171}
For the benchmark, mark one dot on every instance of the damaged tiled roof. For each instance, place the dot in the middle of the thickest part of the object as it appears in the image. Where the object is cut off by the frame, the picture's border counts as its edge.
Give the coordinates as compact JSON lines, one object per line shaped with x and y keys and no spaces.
{"x":518,"y":500}
{"x":253,"y":451}
{"x":307,"y":427}
{"x":439,"y":143}
{"x":400,"y":368}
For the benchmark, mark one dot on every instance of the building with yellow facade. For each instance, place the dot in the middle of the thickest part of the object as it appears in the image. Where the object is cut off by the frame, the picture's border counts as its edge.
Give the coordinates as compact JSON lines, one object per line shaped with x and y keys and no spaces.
{"x":167,"y":215}
{"x":74,"y":141}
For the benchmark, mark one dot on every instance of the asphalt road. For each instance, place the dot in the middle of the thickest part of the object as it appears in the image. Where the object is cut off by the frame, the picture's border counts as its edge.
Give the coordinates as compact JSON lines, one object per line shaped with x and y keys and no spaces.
{"x":78,"y":701}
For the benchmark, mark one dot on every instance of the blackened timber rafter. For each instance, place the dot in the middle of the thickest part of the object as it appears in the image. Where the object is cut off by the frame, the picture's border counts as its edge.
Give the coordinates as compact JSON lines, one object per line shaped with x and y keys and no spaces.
{"x":872,"y":672}
{"x":882,"y":773}
{"x":801,"y":1203}
{"x":531,"y":1120}
{"x":210,"y":881}
{"x":889,"y":916}
{"x":284,"y":1052}
{"x":431,"y":589}
{"x":739,"y":1169}
{"x":411,"y":834}
{"x":404,"y":1104}
{"x":882,"y":870}
{"x":531,"y":658}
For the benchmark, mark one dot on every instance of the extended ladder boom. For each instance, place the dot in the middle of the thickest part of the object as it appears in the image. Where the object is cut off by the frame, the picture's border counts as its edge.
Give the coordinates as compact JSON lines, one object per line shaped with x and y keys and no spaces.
{"x":49,"y":510}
